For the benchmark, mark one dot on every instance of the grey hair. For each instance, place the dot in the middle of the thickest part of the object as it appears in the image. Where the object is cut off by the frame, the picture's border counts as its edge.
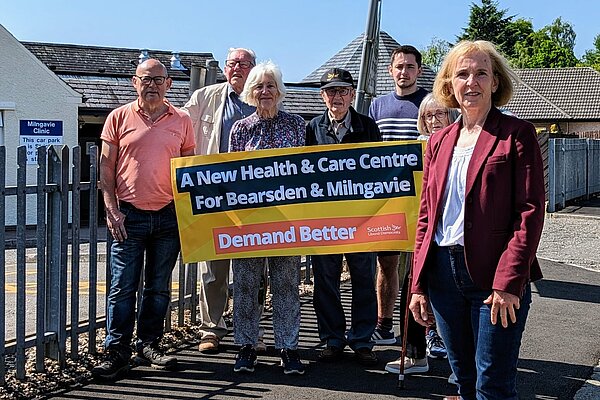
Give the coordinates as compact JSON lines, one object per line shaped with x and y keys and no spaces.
{"x":428,"y":101}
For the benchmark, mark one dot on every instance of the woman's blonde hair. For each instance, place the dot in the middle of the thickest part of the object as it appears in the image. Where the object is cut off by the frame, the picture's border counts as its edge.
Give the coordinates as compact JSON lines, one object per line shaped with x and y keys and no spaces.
{"x":442,"y":87}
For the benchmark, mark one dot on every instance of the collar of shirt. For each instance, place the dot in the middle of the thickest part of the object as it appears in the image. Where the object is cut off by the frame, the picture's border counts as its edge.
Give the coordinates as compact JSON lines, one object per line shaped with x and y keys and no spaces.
{"x":139,"y":110}
{"x":230,"y":91}
{"x":340,"y":128}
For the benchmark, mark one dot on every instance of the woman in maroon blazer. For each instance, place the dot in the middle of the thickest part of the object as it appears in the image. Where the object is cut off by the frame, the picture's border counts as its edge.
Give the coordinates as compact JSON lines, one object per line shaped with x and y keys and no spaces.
{"x":480,"y":222}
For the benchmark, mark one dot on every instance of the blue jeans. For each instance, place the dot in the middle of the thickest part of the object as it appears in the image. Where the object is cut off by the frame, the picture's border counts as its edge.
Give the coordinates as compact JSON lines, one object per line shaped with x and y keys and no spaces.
{"x":155,"y":234}
{"x":483,"y":356}
{"x":331,"y":319}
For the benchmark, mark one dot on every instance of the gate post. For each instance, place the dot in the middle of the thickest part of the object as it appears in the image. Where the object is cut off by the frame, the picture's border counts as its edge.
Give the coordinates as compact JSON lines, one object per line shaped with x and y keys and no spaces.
{"x":56,"y":311}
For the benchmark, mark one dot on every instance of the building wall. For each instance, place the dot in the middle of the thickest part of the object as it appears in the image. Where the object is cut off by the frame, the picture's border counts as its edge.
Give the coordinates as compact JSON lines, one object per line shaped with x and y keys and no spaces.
{"x":568,"y":127}
{"x":574,"y":127}
{"x":30,"y":91}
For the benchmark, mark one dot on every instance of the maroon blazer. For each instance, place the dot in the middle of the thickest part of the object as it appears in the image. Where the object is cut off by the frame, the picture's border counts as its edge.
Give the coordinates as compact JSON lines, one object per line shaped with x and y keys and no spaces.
{"x":504,"y":204}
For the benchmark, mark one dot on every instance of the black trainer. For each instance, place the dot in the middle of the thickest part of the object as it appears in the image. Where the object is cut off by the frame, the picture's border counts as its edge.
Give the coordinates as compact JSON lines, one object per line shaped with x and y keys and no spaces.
{"x":154,"y":356}
{"x":114,"y":365}
{"x":245,"y":360}
{"x":291,"y":363}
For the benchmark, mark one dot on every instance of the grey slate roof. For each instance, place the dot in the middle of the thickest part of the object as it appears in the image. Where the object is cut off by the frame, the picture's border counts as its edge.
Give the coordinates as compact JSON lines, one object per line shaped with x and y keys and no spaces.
{"x":303,"y":101}
{"x":70,"y":59}
{"x":349,"y":59}
{"x":557,"y":94}
{"x":102,"y":76}
{"x":104,"y":93}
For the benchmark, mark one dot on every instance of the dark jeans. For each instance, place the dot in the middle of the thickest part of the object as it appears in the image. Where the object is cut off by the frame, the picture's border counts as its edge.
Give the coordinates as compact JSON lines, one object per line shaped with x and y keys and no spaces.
{"x":483,"y":356}
{"x":331,"y":319}
{"x":155,"y":234}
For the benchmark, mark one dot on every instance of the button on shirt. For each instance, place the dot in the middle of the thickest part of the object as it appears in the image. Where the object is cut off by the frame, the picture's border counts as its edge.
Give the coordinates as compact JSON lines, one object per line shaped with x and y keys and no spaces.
{"x":340,"y":128}
{"x":235,"y":109}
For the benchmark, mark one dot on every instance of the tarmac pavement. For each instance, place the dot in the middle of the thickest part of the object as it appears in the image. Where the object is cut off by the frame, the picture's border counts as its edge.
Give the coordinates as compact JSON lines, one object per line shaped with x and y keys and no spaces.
{"x":561,"y":346}
{"x":589,"y":208}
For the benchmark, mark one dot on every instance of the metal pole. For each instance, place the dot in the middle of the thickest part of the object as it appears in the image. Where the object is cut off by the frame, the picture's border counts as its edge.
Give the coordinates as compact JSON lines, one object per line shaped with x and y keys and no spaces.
{"x":93,"y":249}
{"x":368,"y":61}
{"x":75,"y":240}
{"x":2,"y":265}
{"x":42,"y":155}
{"x":21,"y":276}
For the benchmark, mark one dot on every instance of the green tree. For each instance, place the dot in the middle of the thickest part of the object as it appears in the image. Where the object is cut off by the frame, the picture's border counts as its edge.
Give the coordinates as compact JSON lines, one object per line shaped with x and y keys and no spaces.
{"x":488,"y":22}
{"x":434,"y":53}
{"x":517,"y":31}
{"x":561,"y":33}
{"x":591,"y":58}
{"x":550,"y":47}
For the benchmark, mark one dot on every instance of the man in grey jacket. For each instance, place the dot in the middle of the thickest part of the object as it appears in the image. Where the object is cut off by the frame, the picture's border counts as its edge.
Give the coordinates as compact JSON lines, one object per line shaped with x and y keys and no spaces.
{"x":213,"y":110}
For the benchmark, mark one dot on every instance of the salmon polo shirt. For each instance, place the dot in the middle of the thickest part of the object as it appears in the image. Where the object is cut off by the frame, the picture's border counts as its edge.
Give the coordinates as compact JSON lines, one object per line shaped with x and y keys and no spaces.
{"x":143,"y":170}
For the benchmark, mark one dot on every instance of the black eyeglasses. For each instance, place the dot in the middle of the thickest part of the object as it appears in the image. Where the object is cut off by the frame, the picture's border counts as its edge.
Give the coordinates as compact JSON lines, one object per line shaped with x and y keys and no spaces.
{"x":158,"y":80}
{"x":243,"y":64}
{"x":342,"y":91}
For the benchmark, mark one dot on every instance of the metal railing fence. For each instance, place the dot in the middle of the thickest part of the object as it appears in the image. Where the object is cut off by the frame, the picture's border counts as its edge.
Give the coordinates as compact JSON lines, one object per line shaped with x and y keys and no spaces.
{"x":574,"y":170}
{"x":65,"y":298}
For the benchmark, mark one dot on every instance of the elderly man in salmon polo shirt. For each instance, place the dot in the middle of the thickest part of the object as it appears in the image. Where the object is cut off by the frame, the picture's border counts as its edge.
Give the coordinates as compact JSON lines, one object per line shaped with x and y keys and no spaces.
{"x":139,"y":140}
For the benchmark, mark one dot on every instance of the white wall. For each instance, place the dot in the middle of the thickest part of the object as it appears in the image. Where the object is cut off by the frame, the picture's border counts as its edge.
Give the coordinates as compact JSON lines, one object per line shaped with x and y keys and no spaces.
{"x":36,"y":94}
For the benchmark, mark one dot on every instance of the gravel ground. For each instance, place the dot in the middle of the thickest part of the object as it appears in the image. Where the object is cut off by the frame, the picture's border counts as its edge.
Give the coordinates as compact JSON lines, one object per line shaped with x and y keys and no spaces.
{"x":571,"y":240}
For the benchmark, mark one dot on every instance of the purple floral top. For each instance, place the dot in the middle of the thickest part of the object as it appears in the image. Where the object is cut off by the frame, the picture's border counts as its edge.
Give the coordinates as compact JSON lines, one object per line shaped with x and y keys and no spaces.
{"x":255,"y":133}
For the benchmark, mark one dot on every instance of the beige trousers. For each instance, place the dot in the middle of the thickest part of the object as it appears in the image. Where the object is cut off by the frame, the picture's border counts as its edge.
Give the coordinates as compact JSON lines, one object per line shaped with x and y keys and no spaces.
{"x":214,"y":282}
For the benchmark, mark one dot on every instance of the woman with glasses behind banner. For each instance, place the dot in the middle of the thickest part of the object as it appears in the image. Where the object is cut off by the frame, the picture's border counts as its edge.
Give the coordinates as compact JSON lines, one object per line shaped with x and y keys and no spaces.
{"x":268,"y":128}
{"x":432,"y":118}
{"x":480,"y":222}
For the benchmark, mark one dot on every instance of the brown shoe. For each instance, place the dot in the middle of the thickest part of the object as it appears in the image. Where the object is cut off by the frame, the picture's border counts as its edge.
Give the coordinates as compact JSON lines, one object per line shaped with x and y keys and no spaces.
{"x":365,"y":356}
{"x":209,"y":344}
{"x":330,"y":354}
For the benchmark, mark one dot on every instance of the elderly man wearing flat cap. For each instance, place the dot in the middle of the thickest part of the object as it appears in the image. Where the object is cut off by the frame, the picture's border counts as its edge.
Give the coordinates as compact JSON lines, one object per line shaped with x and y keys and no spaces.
{"x":340,"y":123}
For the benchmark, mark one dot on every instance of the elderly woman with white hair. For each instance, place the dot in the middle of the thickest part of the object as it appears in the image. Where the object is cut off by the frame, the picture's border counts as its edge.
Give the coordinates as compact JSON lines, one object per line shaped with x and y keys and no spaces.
{"x":268,"y":128}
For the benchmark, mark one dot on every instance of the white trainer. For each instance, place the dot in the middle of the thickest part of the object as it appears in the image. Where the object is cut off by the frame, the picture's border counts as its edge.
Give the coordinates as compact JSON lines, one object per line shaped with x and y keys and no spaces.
{"x":411,"y":366}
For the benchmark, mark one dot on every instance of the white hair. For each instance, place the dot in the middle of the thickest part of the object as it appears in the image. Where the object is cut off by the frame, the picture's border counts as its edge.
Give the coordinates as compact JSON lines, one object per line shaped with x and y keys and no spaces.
{"x":250,"y":52}
{"x":256,"y":74}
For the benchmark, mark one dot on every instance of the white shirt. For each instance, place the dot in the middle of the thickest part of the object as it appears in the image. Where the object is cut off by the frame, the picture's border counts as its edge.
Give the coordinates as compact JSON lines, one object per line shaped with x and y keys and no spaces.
{"x":450,"y":228}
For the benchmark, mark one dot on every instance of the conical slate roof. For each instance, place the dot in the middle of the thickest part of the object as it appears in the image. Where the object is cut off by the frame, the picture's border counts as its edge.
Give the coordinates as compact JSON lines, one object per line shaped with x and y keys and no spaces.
{"x":349,"y":59}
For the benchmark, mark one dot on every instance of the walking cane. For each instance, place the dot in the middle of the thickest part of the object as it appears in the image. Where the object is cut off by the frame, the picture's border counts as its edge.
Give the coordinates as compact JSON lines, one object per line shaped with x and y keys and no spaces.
{"x":409,"y":259}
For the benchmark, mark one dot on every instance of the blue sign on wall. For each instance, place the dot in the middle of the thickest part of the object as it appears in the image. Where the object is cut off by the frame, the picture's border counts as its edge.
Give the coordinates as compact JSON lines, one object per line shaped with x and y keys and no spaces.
{"x":37,"y":127}
{"x":35,"y":133}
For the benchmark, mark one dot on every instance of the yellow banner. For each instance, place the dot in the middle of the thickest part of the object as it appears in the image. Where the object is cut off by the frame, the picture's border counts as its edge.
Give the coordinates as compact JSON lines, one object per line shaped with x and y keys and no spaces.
{"x":298,"y":201}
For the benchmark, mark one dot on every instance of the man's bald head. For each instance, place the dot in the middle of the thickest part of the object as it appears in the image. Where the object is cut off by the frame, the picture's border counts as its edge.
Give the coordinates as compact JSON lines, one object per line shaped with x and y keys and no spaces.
{"x":151,"y":63}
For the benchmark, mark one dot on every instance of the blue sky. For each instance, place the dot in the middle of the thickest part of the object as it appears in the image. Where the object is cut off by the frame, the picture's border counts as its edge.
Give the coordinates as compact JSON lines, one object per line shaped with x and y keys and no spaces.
{"x":298,"y":35}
